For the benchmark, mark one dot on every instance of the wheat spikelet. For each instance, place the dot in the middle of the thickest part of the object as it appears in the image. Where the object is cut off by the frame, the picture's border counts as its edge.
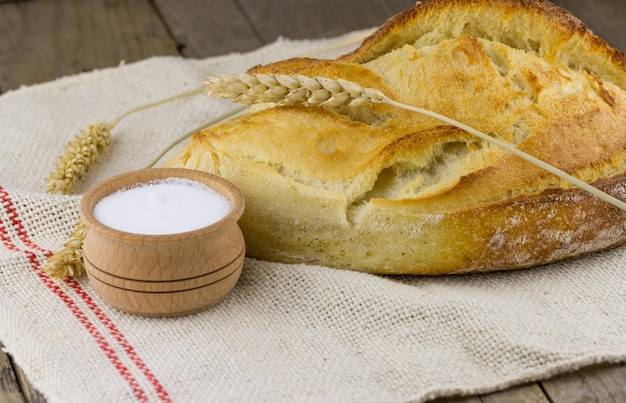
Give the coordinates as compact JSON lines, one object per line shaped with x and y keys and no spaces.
{"x":296,"y":89}
{"x":78,"y":156}
{"x":83,"y":152}
{"x":69,"y":260}
{"x":282,"y":89}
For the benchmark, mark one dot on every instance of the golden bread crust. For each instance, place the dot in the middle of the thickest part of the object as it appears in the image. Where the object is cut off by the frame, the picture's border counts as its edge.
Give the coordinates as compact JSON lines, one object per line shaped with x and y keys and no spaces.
{"x":537,"y":26}
{"x":383,"y":190}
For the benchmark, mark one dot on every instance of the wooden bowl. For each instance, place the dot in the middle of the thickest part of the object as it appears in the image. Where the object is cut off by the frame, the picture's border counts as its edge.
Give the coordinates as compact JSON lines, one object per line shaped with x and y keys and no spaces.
{"x":163,"y":275}
{"x":162,"y":304}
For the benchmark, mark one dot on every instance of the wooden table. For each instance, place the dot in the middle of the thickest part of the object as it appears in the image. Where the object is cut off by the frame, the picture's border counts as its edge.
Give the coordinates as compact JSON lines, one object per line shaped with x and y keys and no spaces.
{"x":41,"y":40}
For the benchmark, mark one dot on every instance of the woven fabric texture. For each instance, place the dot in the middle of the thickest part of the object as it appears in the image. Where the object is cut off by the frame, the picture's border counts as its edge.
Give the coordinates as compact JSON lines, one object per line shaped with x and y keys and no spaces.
{"x":286,"y":332}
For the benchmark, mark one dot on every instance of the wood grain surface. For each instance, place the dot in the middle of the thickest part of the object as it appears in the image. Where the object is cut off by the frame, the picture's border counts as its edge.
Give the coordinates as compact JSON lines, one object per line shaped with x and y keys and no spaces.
{"x":41,"y":40}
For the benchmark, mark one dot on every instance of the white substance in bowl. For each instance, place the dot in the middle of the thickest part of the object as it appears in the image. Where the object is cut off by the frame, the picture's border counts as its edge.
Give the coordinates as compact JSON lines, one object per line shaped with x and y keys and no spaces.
{"x":166,"y":206}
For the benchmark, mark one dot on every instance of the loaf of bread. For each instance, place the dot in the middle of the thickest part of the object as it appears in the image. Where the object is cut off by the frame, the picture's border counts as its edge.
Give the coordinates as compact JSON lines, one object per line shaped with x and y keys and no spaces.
{"x":379,"y":189}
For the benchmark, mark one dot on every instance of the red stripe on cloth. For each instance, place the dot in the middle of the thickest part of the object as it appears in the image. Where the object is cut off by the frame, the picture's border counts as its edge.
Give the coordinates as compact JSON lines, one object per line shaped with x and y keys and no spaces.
{"x":76,"y":311}
{"x":17,"y":224}
{"x":78,"y":314}
{"x":122,"y":369}
{"x":119,"y":337}
{"x":6,"y":239}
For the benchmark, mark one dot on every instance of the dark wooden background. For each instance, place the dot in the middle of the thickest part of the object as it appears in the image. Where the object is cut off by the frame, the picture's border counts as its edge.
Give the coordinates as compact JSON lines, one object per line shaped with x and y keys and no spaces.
{"x":44,"y":39}
{"x":41,"y":40}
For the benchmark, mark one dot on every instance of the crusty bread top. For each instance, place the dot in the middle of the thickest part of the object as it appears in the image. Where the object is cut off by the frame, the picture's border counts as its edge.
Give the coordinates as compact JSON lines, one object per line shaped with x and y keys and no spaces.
{"x":536,"y":26}
{"x":525,"y":71}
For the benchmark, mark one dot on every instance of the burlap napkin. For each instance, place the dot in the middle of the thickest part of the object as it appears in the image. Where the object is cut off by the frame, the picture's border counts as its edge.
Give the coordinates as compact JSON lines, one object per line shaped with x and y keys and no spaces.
{"x":286,"y":332}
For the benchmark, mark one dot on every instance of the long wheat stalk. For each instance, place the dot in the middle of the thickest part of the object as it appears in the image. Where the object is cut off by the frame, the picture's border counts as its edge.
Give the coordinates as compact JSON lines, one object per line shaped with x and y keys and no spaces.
{"x":74,"y":164}
{"x":83,"y":151}
{"x":321,"y":91}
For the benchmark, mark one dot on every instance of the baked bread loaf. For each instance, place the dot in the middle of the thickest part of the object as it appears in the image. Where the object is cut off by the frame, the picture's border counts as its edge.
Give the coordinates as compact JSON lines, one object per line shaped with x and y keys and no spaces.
{"x":379,"y":189}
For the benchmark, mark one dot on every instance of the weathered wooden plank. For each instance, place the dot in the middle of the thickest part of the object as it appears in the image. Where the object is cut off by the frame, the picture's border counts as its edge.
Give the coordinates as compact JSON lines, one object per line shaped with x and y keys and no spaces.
{"x":43,"y":40}
{"x":530,"y":393}
{"x":10,"y":391}
{"x":31,"y":395}
{"x":202,"y":28}
{"x":319,"y":18}
{"x":595,"y":384}
{"x":605,"y":18}
{"x":458,"y":399}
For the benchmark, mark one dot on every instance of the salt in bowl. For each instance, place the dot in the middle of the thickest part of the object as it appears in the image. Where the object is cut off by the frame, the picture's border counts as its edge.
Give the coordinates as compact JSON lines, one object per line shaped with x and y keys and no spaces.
{"x":163,"y":274}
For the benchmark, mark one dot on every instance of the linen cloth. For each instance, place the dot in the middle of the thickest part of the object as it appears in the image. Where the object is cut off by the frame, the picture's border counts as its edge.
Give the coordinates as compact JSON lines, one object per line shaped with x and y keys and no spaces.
{"x":285,"y":332}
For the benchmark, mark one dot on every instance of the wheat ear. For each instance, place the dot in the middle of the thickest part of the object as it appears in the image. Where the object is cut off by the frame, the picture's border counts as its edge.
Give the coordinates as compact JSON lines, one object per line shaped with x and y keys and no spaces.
{"x":69,"y":260}
{"x":295,"y":89}
{"x":83,"y":151}
{"x":79,"y":154}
